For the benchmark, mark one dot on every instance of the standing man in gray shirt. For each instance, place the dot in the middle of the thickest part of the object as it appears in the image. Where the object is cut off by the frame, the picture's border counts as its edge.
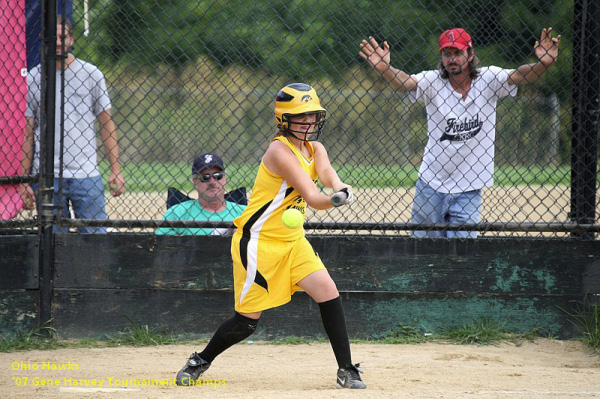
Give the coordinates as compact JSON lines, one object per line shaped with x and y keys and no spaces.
{"x":86,"y":102}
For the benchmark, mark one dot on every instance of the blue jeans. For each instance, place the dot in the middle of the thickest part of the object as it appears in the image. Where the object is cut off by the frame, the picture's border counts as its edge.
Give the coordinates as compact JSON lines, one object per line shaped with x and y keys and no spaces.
{"x":431,"y":206}
{"x":86,"y":196}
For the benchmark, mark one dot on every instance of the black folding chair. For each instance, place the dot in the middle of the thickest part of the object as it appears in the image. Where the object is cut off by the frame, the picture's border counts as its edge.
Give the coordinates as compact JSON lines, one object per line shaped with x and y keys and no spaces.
{"x":174,"y":196}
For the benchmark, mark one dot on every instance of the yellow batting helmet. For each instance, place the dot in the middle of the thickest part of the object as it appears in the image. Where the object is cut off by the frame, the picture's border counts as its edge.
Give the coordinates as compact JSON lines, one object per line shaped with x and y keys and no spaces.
{"x":298,"y":99}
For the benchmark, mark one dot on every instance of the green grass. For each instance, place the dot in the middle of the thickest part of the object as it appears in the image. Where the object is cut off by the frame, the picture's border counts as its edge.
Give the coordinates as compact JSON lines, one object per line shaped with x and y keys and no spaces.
{"x":481,"y":332}
{"x":141,"y":335}
{"x":406,"y":334}
{"x":41,"y":338}
{"x":297,"y":341}
{"x":585,"y":316}
{"x":36,"y":338}
{"x":486,"y":331}
{"x":156,"y":177}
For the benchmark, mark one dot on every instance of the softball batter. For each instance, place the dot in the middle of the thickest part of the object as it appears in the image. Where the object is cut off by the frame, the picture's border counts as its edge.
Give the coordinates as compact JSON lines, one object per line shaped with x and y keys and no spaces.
{"x":271,"y":261}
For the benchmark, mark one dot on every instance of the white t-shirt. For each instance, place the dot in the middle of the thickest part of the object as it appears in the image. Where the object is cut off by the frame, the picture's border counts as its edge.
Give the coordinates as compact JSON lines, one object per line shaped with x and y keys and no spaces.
{"x":459,"y":155}
{"x":86,"y":97}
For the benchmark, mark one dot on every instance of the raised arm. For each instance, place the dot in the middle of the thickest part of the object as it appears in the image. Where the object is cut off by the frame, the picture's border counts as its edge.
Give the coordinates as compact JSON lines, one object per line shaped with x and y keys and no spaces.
{"x":379,"y":58}
{"x":546,"y":50}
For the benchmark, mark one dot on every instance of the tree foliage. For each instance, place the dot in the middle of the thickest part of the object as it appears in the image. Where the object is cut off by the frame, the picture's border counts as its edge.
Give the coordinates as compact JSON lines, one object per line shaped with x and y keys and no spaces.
{"x":310,"y":39}
{"x":187,"y":72}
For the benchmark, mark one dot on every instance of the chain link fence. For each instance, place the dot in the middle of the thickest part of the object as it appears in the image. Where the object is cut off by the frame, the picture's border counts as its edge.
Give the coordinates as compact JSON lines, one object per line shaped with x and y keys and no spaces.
{"x":180,"y":78}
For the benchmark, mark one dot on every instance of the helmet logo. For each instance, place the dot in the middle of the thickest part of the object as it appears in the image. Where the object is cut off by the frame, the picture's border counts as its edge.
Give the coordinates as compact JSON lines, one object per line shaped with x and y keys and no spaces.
{"x":208,"y":158}
{"x":306,"y":98}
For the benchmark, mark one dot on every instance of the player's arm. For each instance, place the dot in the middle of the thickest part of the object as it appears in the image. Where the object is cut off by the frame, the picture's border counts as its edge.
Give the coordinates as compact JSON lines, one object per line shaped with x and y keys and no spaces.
{"x":26,"y":160}
{"x":280,"y":160}
{"x":546,"y":50}
{"x":327,"y":175}
{"x":379,"y":58}
{"x":108,"y":133}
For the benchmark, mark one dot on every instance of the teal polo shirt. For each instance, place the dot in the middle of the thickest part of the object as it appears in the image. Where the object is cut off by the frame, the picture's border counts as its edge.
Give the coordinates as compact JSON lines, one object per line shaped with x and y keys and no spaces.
{"x":191,"y":210}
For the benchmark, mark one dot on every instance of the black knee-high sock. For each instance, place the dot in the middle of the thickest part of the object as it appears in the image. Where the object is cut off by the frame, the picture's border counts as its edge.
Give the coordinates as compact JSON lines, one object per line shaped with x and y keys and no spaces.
{"x":334,"y":321}
{"x":232,"y":331}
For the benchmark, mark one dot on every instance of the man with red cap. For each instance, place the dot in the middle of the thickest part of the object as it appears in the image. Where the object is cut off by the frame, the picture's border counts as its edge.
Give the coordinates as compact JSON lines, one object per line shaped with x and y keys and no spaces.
{"x":460,"y":99}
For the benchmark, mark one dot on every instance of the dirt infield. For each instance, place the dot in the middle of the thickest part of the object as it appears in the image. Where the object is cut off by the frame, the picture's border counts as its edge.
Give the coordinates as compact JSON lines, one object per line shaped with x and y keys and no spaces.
{"x":544,"y":369}
{"x":532,"y":204}
{"x":510,"y":204}
{"x":518,"y":204}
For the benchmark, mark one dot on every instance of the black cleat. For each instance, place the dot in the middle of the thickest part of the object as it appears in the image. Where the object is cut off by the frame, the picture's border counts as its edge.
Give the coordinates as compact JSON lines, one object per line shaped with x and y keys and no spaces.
{"x":193,"y":369}
{"x":349,"y":377}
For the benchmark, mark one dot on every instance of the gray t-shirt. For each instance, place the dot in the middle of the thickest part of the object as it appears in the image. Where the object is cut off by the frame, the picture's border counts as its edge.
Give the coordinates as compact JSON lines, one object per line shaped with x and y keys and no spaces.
{"x":459,"y":155}
{"x":86,"y":97}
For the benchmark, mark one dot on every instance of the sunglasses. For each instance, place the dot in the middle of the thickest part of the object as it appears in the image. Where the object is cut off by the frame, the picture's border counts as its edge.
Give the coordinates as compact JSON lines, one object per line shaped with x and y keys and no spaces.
{"x":205,"y":177}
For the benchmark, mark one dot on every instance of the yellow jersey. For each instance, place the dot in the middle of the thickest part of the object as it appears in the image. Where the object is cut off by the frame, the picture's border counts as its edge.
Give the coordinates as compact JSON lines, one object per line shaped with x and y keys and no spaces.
{"x":271,"y":196}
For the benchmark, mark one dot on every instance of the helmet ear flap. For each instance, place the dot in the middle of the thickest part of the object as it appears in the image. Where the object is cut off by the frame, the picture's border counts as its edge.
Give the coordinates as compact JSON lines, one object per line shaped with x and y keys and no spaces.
{"x":282,"y":122}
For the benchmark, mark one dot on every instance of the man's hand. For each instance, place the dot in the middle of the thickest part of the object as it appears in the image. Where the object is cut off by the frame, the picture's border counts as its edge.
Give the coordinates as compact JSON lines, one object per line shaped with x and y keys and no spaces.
{"x":546,"y":50}
{"x":27,"y":196}
{"x":116,"y":183}
{"x":378,"y":57}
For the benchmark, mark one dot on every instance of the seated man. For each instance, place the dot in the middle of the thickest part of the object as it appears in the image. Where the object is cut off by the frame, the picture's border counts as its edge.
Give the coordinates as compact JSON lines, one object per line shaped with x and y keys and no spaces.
{"x":209,"y":178}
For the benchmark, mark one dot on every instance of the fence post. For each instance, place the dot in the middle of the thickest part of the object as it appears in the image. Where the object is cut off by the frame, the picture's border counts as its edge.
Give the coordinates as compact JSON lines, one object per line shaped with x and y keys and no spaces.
{"x":586,"y":96}
{"x":553,"y":147}
{"x":46,"y":189}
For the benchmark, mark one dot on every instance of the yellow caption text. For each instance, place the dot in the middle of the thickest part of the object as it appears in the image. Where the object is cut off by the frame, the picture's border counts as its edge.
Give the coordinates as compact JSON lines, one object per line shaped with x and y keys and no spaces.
{"x":28,"y":366}
{"x":110,"y":382}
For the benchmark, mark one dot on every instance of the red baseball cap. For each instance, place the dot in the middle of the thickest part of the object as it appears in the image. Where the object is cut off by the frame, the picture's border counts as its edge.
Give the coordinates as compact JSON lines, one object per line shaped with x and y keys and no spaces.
{"x":457,"y":38}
